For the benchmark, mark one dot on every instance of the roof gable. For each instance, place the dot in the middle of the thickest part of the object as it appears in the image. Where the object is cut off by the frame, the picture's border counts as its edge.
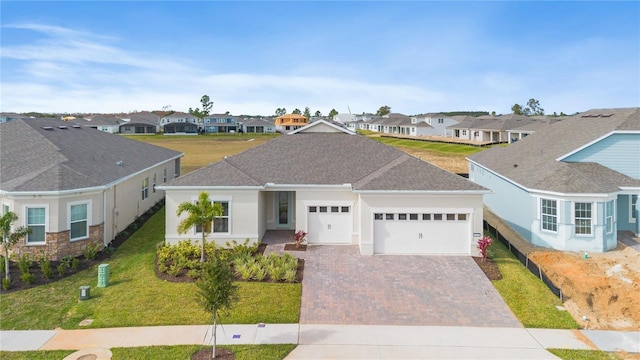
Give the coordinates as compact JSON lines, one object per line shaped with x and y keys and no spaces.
{"x":321,"y":126}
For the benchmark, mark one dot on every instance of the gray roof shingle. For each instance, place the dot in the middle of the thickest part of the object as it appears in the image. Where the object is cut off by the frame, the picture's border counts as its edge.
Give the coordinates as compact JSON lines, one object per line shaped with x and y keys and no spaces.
{"x":531,"y":162}
{"x":327,"y":159}
{"x":35,"y":159}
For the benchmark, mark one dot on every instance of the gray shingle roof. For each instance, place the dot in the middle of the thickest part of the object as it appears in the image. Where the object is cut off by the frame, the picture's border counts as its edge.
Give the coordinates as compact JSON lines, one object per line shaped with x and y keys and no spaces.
{"x":532,"y":163}
{"x":35,"y":159}
{"x":327,"y":159}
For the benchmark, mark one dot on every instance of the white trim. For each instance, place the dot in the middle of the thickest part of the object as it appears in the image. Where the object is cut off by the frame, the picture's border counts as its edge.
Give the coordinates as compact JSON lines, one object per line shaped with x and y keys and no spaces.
{"x":557,"y":215}
{"x":89,"y":204}
{"x":219,"y":198}
{"x":633,"y":220}
{"x":190,"y":188}
{"x":310,"y":125}
{"x":562,"y":157}
{"x":423,"y":192}
{"x":26,"y":222}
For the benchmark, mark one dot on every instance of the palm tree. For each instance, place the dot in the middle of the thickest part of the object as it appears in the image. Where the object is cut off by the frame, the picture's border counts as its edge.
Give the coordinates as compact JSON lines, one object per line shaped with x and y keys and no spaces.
{"x":202,"y":214}
{"x":10,"y":238}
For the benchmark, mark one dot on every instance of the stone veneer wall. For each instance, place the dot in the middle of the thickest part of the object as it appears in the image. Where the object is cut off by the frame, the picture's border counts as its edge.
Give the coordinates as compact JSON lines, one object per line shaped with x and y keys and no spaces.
{"x":57,"y":245}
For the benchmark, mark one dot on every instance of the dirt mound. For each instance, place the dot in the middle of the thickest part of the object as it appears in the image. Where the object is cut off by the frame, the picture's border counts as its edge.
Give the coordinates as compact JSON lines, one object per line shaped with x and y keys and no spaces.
{"x":603,"y":287}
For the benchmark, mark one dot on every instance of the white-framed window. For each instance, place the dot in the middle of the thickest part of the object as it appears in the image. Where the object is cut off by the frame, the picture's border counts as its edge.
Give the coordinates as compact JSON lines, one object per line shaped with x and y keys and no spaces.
{"x":549,"y":213}
{"x":582,"y":215}
{"x":464,"y":132}
{"x":220,"y":223}
{"x":633,"y":208}
{"x":154,"y":183}
{"x":164,"y":178}
{"x":608,"y":217}
{"x":5,"y":209}
{"x":145,"y":188}
{"x":79,"y":220}
{"x":37,"y":222}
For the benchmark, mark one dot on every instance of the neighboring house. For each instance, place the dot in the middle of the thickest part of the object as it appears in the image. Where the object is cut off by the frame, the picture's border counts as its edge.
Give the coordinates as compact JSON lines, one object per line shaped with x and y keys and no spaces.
{"x":140,"y":123}
{"x":340,"y":187}
{"x":180,"y":123}
{"x":393,"y":123}
{"x":344,"y":118}
{"x":4,"y":117}
{"x":489,"y":128}
{"x":258,"y":126}
{"x":571,"y":185}
{"x":221,"y":123}
{"x":438,"y":124}
{"x":290,"y":122}
{"x":73,"y":185}
{"x":106,"y":123}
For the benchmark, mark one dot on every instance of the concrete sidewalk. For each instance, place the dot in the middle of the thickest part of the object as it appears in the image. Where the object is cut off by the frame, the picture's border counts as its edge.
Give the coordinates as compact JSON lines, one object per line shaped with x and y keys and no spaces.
{"x":340,"y":341}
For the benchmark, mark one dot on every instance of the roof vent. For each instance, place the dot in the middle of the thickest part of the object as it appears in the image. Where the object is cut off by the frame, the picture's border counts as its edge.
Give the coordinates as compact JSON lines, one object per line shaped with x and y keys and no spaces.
{"x":76,"y":126}
{"x":119,"y":163}
{"x":62,"y":127}
{"x":47,"y":127}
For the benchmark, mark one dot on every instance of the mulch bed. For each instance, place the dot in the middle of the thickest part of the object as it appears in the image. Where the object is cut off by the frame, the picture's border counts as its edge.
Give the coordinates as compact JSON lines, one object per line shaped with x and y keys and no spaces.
{"x":221,"y":353}
{"x":294,"y":247}
{"x":101,"y":256}
{"x":489,"y":267}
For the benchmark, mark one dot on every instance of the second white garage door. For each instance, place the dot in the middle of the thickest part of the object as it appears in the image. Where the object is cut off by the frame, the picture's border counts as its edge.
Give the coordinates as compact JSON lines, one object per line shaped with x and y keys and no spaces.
{"x":329,"y":224}
{"x":421,"y":233}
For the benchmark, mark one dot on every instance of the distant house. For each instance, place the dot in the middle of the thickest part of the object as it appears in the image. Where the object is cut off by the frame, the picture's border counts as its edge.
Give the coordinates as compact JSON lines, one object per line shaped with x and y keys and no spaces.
{"x":488,"y":128}
{"x":74,"y":186}
{"x":140,"y":123}
{"x":106,"y":123}
{"x":221,"y":123}
{"x":341,"y":188}
{"x":258,"y":126}
{"x":438,"y":124}
{"x":4,"y":117}
{"x":571,"y":185}
{"x":180,"y":123}
{"x":290,"y":122}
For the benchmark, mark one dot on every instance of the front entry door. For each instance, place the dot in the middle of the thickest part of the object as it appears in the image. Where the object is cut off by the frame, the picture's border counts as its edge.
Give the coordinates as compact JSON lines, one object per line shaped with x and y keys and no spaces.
{"x":283,"y":209}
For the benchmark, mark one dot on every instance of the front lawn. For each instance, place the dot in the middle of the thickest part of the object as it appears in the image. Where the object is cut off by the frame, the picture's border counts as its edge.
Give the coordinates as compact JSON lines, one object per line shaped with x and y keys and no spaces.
{"x":569,"y":354}
{"x":242,"y":352}
{"x":136,"y":297}
{"x":527,"y":296}
{"x":459,"y":149}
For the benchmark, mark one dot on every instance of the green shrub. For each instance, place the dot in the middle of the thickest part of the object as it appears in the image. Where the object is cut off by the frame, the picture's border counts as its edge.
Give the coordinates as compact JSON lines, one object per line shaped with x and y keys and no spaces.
{"x":174,"y":270}
{"x":259,"y":273}
{"x":91,"y":251}
{"x":194,"y":274}
{"x":244,"y":271}
{"x":2,"y":265}
{"x":75,"y":262}
{"x":289,"y":275}
{"x":27,"y":277}
{"x":62,"y":268}
{"x":24,"y":263}
{"x":45,"y":267}
{"x":6,"y":284}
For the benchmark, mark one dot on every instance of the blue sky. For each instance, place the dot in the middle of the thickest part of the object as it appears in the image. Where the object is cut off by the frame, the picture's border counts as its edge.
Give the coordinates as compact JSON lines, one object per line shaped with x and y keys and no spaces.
{"x":253,"y":57}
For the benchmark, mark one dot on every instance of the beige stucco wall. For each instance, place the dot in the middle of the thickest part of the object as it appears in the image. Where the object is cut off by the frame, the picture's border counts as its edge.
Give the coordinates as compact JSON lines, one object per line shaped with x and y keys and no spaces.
{"x":244,"y":212}
{"x":370,"y":203}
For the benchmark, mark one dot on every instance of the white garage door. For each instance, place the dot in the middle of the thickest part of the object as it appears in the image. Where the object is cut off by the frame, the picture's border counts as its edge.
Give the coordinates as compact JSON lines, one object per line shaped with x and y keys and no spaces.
{"x":421,"y":233}
{"x":329,"y":224}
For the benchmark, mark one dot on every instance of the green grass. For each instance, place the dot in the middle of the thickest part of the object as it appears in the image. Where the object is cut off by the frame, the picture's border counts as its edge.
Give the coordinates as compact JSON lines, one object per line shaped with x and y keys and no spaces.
{"x":136,"y":297}
{"x":567,"y":354}
{"x":527,"y":296}
{"x":242,"y":352}
{"x":433,"y":146}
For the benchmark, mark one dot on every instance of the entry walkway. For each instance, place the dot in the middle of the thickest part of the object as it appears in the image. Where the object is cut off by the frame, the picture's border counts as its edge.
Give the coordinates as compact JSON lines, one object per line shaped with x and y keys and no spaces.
{"x":341,"y":341}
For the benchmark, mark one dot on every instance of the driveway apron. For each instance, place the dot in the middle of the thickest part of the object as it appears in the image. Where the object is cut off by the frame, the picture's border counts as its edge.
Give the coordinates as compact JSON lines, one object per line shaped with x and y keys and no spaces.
{"x":340,"y":286}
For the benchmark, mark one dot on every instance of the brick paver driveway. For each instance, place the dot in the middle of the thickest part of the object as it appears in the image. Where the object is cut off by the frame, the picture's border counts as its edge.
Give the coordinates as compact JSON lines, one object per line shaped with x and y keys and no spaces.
{"x":341,"y":286}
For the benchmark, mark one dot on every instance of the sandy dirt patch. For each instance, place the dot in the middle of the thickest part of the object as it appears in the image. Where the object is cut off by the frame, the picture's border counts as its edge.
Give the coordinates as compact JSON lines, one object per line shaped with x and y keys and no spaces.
{"x":604,"y":288}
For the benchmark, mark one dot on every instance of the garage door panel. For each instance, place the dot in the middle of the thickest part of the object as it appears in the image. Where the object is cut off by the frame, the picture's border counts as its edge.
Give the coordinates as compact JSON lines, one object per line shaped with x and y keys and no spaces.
{"x":329,"y":224}
{"x":408,"y":234}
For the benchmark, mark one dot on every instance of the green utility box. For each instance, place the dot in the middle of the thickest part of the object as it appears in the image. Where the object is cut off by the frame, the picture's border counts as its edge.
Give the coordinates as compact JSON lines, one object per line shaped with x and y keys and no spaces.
{"x":85,"y":293}
{"x":103,"y":275}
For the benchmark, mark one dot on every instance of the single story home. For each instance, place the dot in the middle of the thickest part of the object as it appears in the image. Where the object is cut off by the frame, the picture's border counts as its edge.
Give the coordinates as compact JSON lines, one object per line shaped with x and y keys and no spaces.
{"x":258,"y":126}
{"x":571,"y":185}
{"x":74,"y":185}
{"x":340,"y":187}
{"x":140,"y":123}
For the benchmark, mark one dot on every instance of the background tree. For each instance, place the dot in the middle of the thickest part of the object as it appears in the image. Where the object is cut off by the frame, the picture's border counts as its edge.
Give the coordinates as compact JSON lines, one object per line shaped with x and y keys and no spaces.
{"x":201,"y":214}
{"x":383,"y":110}
{"x":534,"y":107}
{"x":207,"y":104}
{"x":517,"y":109}
{"x":307,"y":112}
{"x":297,"y":111}
{"x":10,"y":238}
{"x":216,"y":290}
{"x":281,"y":111}
{"x":332,"y":113}
{"x":318,"y":113}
